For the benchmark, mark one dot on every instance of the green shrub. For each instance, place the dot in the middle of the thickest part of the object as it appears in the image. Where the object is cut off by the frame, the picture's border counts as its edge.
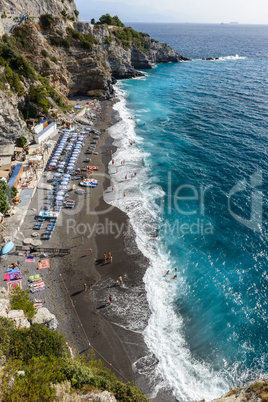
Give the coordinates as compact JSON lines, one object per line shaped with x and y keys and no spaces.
{"x":51,"y":91}
{"x":38,"y":95}
{"x":15,"y":61}
{"x":46,"y":63}
{"x":44,"y":53}
{"x":3,"y":15}
{"x":36,"y":341}
{"x":14,"y":80}
{"x":107,"y":19}
{"x":78,"y":372}
{"x":4,"y":202}
{"x":46,"y":20}
{"x":21,"y":141}
{"x":19,"y":300}
{"x":76,"y":13}
{"x":23,"y":36}
{"x":35,"y":385}
{"x":11,"y":192}
{"x":64,"y":13}
{"x":54,"y":59}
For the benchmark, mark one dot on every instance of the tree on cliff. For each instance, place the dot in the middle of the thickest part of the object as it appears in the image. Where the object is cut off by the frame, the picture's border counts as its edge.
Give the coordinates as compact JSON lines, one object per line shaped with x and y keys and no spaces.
{"x":107,"y":19}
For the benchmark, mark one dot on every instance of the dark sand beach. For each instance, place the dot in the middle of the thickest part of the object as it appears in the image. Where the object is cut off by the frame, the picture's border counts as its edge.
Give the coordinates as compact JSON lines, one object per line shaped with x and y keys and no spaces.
{"x":86,"y":318}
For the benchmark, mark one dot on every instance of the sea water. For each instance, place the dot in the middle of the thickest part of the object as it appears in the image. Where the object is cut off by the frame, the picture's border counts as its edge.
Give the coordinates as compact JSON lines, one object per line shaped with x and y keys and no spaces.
{"x":196,"y":196}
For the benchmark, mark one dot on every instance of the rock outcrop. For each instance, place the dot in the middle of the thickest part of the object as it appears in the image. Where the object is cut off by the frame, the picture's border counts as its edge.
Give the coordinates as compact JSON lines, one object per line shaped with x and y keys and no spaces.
{"x":19,"y":318}
{"x":257,"y":392}
{"x":43,"y":316}
{"x":36,"y":7}
{"x":11,"y":125}
{"x":76,"y":58}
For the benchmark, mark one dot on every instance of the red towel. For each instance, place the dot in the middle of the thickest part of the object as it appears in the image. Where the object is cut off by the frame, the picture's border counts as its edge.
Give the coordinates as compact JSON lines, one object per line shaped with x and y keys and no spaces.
{"x":6,"y":277}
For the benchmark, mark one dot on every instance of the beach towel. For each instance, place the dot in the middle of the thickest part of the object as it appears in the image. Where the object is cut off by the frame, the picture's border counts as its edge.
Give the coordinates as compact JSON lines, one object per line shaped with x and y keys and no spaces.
{"x":12,"y":270}
{"x":43,"y":264}
{"x":6,"y":277}
{"x":30,"y":258}
{"x":14,"y":276}
{"x":12,"y":285}
{"x":31,"y":278}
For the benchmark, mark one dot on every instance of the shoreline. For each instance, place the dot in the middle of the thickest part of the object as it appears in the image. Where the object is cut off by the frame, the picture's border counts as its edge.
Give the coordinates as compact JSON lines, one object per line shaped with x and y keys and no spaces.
{"x":106,"y":327}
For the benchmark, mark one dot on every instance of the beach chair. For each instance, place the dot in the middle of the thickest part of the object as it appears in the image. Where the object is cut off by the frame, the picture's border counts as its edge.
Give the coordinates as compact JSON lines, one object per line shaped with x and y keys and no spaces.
{"x":37,"y":226}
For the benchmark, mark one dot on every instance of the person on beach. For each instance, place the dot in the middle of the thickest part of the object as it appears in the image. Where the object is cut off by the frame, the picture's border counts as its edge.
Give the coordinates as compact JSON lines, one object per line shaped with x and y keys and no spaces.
{"x":104,"y":257}
{"x":109,"y":255}
{"x":176,"y":269}
{"x":175,"y":277}
{"x":90,"y":250}
{"x":126,"y":177}
{"x":111,"y":258}
{"x":107,"y":151}
{"x":120,"y":280}
{"x":85,"y":286}
{"x":124,"y":194}
{"x":167,"y":272}
{"x":112,"y":188}
{"x":113,"y":161}
{"x":110,"y":299}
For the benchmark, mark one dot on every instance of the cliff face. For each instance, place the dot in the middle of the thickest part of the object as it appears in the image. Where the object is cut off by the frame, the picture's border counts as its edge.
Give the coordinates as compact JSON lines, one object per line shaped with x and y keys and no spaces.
{"x":74,"y":58}
{"x":11,"y":125}
{"x":73,"y":69}
{"x":37,"y":7}
{"x":257,"y":392}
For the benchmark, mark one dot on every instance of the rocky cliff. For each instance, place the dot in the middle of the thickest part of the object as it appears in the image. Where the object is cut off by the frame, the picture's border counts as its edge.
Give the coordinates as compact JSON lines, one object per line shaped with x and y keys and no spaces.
{"x":66,"y":58}
{"x":37,"y":7}
{"x":257,"y":392}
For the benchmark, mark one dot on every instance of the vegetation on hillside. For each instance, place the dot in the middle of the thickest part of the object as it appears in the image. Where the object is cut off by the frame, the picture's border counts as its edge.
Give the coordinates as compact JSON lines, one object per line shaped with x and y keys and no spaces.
{"x":109,"y":20}
{"x":73,"y":39}
{"x":7,"y":193}
{"x":45,"y":358}
{"x":125,"y":36}
{"x":19,"y":300}
{"x":16,"y":69}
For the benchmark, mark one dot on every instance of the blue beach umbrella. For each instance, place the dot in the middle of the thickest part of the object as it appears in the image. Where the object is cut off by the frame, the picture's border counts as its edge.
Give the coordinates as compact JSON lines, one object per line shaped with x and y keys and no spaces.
{"x":7,"y":248}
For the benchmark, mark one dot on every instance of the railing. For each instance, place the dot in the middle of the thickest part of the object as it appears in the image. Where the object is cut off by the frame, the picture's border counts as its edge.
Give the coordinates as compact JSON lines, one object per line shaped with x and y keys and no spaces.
{"x":18,"y":23}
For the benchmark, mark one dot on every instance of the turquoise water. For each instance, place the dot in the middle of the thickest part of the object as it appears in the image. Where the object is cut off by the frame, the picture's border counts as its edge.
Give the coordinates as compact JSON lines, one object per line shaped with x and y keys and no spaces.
{"x":201,"y":133}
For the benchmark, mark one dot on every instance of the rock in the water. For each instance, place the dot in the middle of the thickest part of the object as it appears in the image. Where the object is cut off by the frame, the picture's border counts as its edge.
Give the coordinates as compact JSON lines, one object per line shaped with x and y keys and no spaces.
{"x":19,"y":318}
{"x":43,"y":316}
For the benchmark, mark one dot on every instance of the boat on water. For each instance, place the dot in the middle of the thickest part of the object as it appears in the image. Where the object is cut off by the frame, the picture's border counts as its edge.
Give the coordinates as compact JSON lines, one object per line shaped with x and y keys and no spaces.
{"x":89,"y":183}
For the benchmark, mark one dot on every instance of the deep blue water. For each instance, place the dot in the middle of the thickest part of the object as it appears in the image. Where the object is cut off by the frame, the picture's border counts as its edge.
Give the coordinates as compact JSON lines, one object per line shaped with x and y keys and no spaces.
{"x":203,"y":128}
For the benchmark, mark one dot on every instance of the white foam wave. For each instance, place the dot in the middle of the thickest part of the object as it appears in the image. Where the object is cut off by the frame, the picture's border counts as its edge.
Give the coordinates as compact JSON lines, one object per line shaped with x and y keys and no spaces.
{"x":236,"y":57}
{"x":189,"y":379}
{"x":223,"y":58}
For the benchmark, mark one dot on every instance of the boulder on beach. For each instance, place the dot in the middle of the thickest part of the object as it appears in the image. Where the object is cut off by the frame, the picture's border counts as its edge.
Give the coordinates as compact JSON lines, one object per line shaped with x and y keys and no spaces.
{"x":43,"y":316}
{"x":19,"y":318}
{"x":4,"y":307}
